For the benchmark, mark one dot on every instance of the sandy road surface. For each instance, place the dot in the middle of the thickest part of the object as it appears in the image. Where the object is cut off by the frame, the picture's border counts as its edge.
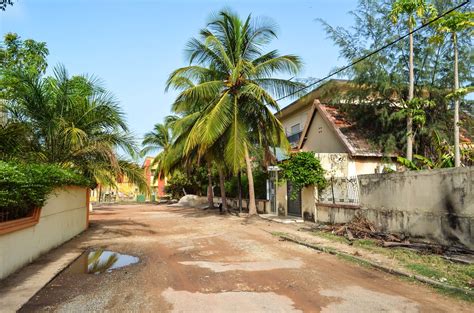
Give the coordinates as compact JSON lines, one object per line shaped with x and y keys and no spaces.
{"x":198,"y":261}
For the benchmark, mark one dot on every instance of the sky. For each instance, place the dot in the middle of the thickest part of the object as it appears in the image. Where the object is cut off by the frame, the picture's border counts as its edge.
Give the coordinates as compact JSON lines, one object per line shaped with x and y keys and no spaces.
{"x":133,"y":45}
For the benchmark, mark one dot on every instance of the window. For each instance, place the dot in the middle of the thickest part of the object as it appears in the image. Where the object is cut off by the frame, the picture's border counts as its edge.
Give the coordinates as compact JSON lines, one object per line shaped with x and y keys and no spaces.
{"x":295,"y":129}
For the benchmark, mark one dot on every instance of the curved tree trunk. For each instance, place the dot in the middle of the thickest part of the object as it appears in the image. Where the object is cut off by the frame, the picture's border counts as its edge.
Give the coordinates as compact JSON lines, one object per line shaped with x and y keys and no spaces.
{"x":251,"y":204}
{"x":222,"y":187}
{"x":457,"y":152}
{"x":210,"y":196}
{"x":411,"y":89}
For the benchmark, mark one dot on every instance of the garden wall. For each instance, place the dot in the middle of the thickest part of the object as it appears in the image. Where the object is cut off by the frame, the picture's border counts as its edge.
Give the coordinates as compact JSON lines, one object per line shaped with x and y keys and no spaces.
{"x":64,"y":215}
{"x":435,"y":204}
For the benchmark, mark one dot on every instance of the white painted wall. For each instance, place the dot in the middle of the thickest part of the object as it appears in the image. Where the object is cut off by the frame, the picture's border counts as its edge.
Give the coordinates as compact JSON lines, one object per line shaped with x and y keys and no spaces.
{"x":63,"y":216}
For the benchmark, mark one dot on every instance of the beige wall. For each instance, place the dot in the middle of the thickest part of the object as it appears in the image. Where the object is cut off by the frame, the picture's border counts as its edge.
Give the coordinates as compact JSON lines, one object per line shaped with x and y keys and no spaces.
{"x":308,"y":200}
{"x":367,"y":165}
{"x":63,"y":217}
{"x":300,"y":117}
{"x":321,"y":138}
{"x":282,"y":198}
{"x":437,"y":204}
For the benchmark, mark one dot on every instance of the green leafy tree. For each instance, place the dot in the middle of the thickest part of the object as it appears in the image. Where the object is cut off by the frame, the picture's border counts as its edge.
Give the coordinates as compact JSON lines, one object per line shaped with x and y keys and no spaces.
{"x":372,"y":98}
{"x":230,"y":68}
{"x":303,"y":169}
{"x":16,"y":55}
{"x":411,"y":9}
{"x":454,"y":23}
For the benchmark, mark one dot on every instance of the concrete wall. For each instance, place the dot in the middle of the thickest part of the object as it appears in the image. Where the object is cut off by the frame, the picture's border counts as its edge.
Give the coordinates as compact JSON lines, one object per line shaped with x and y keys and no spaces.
{"x":432,"y":204}
{"x":63,"y":216}
{"x":436,"y":204}
{"x":263,"y":206}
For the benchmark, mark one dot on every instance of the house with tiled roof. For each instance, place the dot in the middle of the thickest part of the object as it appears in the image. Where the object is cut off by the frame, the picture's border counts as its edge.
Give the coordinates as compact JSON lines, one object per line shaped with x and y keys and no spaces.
{"x":312,"y":124}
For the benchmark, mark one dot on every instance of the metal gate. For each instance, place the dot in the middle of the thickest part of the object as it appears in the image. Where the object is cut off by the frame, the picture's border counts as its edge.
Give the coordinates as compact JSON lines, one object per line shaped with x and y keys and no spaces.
{"x":294,"y":205}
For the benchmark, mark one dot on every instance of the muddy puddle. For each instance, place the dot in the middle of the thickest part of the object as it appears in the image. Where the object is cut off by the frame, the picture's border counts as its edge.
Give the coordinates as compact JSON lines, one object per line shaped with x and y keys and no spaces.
{"x":100,"y":261}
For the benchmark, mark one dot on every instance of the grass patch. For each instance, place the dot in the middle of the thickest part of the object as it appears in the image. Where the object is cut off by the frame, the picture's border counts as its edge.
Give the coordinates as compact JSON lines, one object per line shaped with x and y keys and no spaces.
{"x":428,"y":265}
{"x":330,"y":236}
{"x":278,"y":234}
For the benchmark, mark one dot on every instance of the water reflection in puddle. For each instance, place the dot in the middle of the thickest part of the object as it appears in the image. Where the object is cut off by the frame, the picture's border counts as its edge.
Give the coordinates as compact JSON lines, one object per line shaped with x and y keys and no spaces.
{"x":100,"y":261}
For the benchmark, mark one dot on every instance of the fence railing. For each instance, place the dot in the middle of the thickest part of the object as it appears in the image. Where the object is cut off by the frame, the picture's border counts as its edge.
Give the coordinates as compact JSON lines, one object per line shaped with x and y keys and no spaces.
{"x":340,"y":190}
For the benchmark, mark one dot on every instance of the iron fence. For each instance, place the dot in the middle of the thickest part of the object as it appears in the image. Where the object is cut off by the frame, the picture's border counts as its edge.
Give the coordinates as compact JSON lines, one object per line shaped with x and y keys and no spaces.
{"x":340,"y":190}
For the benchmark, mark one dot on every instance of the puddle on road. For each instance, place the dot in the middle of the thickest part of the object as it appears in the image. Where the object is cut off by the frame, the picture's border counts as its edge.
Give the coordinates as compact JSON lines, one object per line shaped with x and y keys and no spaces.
{"x":100,"y":261}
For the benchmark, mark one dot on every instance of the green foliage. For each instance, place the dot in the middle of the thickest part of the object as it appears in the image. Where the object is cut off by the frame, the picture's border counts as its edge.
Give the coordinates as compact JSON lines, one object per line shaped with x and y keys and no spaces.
{"x":260,"y":184}
{"x":176,"y":185}
{"x":442,"y":157}
{"x":16,"y":55}
{"x":303,"y":169}
{"x":3,"y":4}
{"x":70,"y":121}
{"x":194,"y":181}
{"x":26,"y":186}
{"x":229,"y":87}
{"x":378,"y":83}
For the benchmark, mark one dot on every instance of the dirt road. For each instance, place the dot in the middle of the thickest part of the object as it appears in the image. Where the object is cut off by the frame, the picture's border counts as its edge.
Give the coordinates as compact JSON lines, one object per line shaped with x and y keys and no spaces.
{"x":198,"y":261}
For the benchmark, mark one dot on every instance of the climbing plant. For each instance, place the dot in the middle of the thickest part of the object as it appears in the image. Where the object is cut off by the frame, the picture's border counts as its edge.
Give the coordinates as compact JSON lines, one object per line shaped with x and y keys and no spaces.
{"x":303,"y":169}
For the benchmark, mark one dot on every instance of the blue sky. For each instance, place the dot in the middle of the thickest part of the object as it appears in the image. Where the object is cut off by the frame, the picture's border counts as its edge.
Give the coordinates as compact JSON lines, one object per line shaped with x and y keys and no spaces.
{"x":133,"y":45}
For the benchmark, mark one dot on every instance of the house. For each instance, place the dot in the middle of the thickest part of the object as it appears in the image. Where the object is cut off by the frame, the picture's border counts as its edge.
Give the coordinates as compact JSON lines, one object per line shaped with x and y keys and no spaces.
{"x":312,"y":124}
{"x":157,"y":186}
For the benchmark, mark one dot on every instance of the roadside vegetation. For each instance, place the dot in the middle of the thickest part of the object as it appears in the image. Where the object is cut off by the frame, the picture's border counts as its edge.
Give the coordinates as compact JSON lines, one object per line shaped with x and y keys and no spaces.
{"x":407,"y":98}
{"x":410,"y":97}
{"x":425,"y":264}
{"x":69,"y":122}
{"x":26,"y":186}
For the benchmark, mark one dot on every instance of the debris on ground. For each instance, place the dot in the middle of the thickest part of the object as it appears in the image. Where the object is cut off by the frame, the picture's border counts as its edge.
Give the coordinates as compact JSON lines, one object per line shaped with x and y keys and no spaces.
{"x":361,"y":228}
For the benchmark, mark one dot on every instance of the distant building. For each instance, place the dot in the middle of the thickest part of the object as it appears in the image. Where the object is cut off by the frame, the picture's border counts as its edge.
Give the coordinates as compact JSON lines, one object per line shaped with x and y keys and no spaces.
{"x":157,"y":186}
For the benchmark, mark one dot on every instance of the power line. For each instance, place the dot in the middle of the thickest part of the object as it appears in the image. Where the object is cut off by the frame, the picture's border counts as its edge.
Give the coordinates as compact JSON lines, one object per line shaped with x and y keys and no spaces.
{"x":377,"y":50}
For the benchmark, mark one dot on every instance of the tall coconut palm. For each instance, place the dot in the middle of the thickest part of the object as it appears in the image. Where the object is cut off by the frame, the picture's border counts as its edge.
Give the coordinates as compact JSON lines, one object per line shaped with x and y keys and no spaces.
{"x":453,"y":24}
{"x":229,"y":67}
{"x":74,"y":122}
{"x":411,"y":9}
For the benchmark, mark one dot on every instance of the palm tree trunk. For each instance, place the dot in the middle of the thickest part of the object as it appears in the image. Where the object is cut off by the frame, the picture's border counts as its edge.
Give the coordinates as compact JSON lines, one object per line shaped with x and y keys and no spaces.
{"x":251,"y":204}
{"x":210,"y":196}
{"x":411,"y":88}
{"x":222,"y":186}
{"x":239,"y":187}
{"x":457,"y":154}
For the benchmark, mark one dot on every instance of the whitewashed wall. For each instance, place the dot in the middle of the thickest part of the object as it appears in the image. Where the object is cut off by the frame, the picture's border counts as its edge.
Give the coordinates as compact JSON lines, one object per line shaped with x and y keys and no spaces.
{"x":63,"y":216}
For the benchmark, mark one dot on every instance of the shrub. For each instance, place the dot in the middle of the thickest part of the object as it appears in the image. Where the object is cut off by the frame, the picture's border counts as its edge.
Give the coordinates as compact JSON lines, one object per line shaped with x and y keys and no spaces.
{"x":303,"y":169}
{"x":24,"y":187}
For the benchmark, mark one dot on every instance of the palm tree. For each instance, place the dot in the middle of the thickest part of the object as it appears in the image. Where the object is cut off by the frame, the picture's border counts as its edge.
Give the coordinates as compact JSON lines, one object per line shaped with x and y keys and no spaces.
{"x":229,"y":67}
{"x":453,"y":24}
{"x":412,"y":9}
{"x":159,"y":139}
{"x":75,"y":123}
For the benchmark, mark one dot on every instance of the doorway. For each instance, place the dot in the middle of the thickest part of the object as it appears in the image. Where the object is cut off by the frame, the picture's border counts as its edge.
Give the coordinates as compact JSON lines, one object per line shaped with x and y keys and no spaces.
{"x":294,"y":205}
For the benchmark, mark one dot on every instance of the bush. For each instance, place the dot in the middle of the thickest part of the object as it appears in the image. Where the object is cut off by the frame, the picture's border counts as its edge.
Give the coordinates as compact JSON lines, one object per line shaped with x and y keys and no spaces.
{"x":260,"y":185}
{"x":176,"y":184}
{"x":303,"y":169}
{"x":24,"y":187}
